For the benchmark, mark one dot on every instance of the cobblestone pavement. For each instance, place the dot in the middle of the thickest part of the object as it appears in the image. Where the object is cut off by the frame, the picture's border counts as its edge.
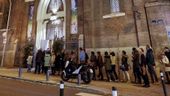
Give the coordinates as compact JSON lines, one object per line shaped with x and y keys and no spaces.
{"x":124,"y":89}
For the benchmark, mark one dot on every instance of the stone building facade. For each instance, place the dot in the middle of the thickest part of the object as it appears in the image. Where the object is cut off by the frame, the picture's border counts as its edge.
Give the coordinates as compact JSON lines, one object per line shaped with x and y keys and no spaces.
{"x":145,"y":22}
{"x":136,"y":28}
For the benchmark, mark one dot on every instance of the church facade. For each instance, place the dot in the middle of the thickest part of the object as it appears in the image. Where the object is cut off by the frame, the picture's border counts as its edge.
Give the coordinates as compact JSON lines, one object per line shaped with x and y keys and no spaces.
{"x":98,"y":25}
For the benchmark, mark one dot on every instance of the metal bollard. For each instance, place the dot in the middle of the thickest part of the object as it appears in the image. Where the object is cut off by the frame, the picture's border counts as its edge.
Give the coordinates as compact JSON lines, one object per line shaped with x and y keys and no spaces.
{"x":47,"y":75}
{"x":61,"y":88}
{"x":163,"y":83}
{"x":114,"y":91}
{"x":79,"y":79}
{"x":19,"y":72}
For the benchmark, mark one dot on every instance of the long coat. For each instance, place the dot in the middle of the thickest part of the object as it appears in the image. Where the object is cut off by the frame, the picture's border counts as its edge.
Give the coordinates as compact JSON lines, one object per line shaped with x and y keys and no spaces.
{"x":107,"y":62}
{"x":124,"y":61}
{"x":150,"y":57}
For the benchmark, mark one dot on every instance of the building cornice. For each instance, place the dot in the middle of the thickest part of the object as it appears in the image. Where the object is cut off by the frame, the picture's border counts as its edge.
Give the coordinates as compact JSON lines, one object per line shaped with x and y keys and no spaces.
{"x":152,"y":4}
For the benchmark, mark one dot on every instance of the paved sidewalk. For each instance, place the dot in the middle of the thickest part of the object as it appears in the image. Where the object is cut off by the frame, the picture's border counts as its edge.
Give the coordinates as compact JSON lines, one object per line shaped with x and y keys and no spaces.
{"x":102,"y":87}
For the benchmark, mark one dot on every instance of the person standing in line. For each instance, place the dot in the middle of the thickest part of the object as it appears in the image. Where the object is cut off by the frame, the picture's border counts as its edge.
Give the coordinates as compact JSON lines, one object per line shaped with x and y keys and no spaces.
{"x":113,"y":65}
{"x":167,"y":73}
{"x":125,"y":67}
{"x":62,"y":60}
{"x":93,"y":64}
{"x":82,"y":56}
{"x":143,"y":68}
{"x":42,"y":64}
{"x":165,"y":66}
{"x":39,"y":60}
{"x":73,"y":57}
{"x":150,"y":61}
{"x":100,"y":65}
{"x":107,"y":64}
{"x":58,"y":63}
{"x":134,"y":73}
{"x":136,"y":65}
{"x":167,"y":52}
{"x":29,"y":62}
{"x":47,"y":63}
{"x":53,"y":63}
{"x":86,"y":56}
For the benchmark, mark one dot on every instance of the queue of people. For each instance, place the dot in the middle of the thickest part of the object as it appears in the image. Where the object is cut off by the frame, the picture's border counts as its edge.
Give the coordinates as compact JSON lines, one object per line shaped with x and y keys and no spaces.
{"x":45,"y":60}
{"x":143,"y":64}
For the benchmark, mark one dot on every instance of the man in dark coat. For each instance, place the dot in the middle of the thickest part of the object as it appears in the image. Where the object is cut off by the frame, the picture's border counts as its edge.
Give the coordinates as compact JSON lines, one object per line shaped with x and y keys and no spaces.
{"x":136,"y":65}
{"x":150,"y":61}
{"x":39,"y":61}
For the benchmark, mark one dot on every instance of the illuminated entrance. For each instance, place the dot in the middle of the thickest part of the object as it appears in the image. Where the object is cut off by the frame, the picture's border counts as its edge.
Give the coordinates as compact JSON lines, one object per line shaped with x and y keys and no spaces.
{"x":51,"y":22}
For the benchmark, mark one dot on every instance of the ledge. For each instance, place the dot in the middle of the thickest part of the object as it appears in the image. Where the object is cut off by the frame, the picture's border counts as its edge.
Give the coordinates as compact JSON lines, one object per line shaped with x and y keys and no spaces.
{"x":112,"y":15}
{"x":152,"y":4}
{"x":3,"y":30}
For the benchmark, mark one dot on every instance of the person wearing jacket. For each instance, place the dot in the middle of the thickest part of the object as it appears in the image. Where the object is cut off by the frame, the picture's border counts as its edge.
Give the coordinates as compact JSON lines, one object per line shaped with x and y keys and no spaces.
{"x":47,"y":59}
{"x":136,"y":66}
{"x":93,"y":64}
{"x":82,"y":56}
{"x":53,"y":63}
{"x":100,"y":65}
{"x":39,"y":61}
{"x":29,"y":62}
{"x":165,"y":66}
{"x":107,"y":64}
{"x":125,"y":66}
{"x":150,"y":61}
{"x":167,"y":73}
{"x":143,"y":68}
{"x":113,"y":65}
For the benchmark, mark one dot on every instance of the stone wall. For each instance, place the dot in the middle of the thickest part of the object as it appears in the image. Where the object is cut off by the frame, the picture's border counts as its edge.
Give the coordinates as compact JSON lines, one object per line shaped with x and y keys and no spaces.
{"x":134,"y":29}
{"x":17,"y":31}
{"x":106,"y":33}
{"x":137,"y":27}
{"x":158,"y":18}
{"x":10,"y":54}
{"x":19,"y":21}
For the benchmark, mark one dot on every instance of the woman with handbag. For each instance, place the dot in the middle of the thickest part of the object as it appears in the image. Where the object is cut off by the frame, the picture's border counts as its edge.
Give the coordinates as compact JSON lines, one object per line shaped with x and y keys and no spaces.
{"x":143,"y":68}
{"x":125,"y":67}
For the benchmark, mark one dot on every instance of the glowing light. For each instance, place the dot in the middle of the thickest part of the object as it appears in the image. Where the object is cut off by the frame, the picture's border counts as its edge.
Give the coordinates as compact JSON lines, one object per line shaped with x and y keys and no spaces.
{"x":53,"y":18}
{"x":57,"y":21}
{"x":54,"y":10}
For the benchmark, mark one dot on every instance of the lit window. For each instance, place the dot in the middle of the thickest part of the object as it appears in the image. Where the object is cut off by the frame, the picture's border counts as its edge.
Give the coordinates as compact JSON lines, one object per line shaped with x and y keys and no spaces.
{"x":115,"y":7}
{"x":55,"y":6}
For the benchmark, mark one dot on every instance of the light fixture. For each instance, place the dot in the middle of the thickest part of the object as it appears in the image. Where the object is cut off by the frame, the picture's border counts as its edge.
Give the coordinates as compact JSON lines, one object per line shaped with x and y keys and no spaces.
{"x":54,"y":10}
{"x":57,"y":21}
{"x":4,"y":34}
{"x":1,"y":13}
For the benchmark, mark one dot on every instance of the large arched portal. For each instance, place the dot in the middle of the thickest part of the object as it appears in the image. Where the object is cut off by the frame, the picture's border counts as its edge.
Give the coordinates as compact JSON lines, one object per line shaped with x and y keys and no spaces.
{"x":51,"y":22}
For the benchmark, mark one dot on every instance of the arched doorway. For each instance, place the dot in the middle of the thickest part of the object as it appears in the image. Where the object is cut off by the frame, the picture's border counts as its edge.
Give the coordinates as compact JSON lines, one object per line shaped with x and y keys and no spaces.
{"x":51,"y":22}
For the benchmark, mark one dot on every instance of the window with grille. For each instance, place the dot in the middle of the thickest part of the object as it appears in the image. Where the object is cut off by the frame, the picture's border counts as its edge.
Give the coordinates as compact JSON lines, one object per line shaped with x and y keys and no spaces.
{"x":115,"y":7}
